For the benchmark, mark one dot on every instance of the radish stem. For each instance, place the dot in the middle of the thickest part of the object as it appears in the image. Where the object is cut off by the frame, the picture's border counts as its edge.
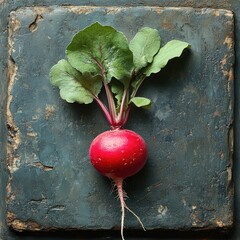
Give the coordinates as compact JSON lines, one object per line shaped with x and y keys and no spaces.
{"x":111,"y":103}
{"x":104,"y":109}
{"x":122,"y":107}
{"x":137,"y":86}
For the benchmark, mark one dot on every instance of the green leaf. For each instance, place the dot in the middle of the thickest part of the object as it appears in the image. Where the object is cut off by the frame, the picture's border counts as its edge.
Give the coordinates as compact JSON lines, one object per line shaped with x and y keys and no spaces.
{"x":171,"y":50}
{"x":141,"y":101}
{"x":101,"y":49}
{"x":144,"y":46}
{"x":74,"y":87}
{"x":117,"y":89}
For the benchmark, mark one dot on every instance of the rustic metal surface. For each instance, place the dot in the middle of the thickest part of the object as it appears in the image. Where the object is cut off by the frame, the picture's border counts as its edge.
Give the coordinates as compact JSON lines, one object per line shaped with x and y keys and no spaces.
{"x":187,"y":183}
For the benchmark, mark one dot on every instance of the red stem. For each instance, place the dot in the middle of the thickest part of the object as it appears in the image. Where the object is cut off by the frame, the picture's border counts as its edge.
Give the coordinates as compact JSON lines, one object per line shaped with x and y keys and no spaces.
{"x":104,"y":109}
{"x":126,"y":115}
{"x":122,"y":107}
{"x":111,"y":103}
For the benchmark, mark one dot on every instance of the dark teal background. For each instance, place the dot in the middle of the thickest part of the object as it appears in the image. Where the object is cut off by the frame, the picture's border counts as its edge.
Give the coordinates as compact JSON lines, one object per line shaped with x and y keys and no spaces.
{"x":6,"y":7}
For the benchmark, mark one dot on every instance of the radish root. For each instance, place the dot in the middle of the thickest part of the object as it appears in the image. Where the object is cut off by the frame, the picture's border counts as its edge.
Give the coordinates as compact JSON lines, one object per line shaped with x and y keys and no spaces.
{"x":122,"y":196}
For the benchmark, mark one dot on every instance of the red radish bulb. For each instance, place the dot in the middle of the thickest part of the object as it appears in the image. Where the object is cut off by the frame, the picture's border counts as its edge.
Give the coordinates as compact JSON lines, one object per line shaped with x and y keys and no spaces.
{"x":119,"y":154}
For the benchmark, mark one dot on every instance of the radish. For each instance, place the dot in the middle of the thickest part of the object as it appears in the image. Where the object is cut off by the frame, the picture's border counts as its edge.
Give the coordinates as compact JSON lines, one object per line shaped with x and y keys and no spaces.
{"x":101,"y":57}
{"x":119,"y":154}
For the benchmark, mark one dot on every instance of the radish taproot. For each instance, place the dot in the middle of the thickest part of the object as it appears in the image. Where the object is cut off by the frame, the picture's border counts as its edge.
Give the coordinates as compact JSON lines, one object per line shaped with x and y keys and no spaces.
{"x":101,"y":57}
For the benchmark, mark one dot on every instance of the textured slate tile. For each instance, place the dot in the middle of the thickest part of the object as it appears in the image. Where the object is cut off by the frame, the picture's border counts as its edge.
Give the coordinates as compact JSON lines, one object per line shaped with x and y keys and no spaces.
{"x":187,"y":183}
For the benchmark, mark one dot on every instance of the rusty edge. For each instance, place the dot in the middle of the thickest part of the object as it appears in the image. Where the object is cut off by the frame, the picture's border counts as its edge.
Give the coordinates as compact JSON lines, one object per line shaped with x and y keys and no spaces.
{"x":39,"y":10}
{"x":228,"y":72}
{"x":229,"y":41}
{"x":13,"y":131}
{"x":14,"y":138}
{"x":28,"y":225}
{"x":19,"y":225}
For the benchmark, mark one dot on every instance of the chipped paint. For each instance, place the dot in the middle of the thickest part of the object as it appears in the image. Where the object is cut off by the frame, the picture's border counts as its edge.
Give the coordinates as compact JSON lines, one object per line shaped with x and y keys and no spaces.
{"x":80,"y":9}
{"x":113,"y":10}
{"x":231,"y":149}
{"x":42,"y":166}
{"x":158,"y":10}
{"x":10,"y":195}
{"x":219,"y":223}
{"x":229,"y":74}
{"x":20,"y":225}
{"x":40,"y":10}
{"x":217,"y":12}
{"x":224,"y":61}
{"x":49,"y":111}
{"x":57,"y":208}
{"x":162,"y":211}
{"x":14,"y":26}
{"x":10,"y":217}
{"x":229,"y":42}
{"x":34,"y":25}
{"x":89,"y":9}
{"x":194,"y":216}
{"x":230,"y":79}
{"x":32,"y":134}
{"x":228,"y":13}
{"x":13,"y":130}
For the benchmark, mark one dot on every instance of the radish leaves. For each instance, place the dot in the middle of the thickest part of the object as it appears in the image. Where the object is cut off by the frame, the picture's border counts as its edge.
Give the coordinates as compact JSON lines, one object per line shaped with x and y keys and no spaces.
{"x":74,"y":86}
{"x":144,"y":46}
{"x":141,"y":101}
{"x":171,"y":50}
{"x":101,"y":50}
{"x":101,"y":56}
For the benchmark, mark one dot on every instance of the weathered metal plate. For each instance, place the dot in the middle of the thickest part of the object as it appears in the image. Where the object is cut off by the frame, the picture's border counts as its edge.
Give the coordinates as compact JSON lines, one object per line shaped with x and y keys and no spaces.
{"x":187,"y":183}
